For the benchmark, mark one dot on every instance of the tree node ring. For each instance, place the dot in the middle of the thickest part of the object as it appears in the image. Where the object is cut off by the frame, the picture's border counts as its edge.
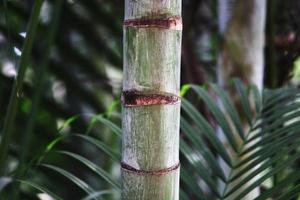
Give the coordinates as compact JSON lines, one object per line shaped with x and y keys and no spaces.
{"x":161,"y":172}
{"x":173,"y":23}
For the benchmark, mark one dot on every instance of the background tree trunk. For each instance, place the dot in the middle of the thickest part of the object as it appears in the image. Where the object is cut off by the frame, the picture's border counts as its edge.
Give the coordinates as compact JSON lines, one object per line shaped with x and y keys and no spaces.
{"x":241,"y":26}
{"x":151,"y":106}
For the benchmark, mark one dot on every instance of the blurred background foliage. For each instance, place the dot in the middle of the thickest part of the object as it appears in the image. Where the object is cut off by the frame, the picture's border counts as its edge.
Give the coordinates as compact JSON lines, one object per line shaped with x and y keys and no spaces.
{"x":84,"y":77}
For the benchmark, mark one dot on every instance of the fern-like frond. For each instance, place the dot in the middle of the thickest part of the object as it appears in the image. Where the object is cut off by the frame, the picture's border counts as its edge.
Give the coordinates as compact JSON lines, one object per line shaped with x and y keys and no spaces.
{"x":229,"y":163}
{"x":242,"y":155}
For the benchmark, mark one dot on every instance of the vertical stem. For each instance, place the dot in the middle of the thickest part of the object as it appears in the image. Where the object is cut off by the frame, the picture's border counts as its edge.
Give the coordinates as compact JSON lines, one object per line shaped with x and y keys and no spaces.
{"x":17,"y":87}
{"x":39,"y":84}
{"x":151,"y":106}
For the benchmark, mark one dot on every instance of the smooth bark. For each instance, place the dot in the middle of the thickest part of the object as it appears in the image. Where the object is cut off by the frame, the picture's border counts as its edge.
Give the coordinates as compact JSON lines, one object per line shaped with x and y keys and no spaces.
{"x":242,"y":25}
{"x":151,"y":106}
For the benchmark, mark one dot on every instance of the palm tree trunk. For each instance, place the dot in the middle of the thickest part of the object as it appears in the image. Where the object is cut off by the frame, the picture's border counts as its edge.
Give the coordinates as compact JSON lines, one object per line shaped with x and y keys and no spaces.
{"x":151,"y":106}
{"x":241,"y":25}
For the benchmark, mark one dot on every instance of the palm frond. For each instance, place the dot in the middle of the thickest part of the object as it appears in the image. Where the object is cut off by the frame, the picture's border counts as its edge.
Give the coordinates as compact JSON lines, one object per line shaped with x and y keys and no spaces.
{"x":41,"y":189}
{"x":270,"y":145}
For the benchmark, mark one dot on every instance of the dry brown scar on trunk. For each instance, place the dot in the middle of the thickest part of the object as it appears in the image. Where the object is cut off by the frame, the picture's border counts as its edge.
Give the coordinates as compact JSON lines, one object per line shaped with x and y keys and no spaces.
{"x":173,"y":23}
{"x":137,"y":98}
{"x":160,"y":172}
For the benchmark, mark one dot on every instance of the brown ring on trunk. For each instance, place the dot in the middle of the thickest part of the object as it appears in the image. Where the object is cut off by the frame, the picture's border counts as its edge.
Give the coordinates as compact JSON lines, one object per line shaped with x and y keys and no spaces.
{"x":135,"y":98}
{"x":160,"y":172}
{"x":173,"y":23}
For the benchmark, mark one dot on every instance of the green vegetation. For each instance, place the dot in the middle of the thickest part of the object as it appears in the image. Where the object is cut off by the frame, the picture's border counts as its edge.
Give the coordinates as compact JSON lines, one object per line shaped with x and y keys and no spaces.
{"x":61,"y":110}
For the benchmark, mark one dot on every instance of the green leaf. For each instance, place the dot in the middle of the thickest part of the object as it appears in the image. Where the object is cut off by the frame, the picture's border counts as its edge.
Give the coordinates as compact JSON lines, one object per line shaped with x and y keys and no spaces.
{"x":240,"y":88}
{"x":206,"y":130}
{"x":184,"y":89}
{"x":271,"y":145}
{"x":40,"y":188}
{"x":80,"y":183}
{"x":270,"y":148}
{"x":10,"y":118}
{"x":68,"y":122}
{"x":218,"y":114}
{"x":275,"y":170}
{"x":292,"y":178}
{"x":275,"y":97}
{"x":257,"y":98}
{"x":264,"y":157}
{"x":102,"y":173}
{"x":192,"y":184}
{"x":199,"y":167}
{"x":276,"y":127}
{"x":104,"y":147}
{"x":50,"y":147}
{"x":98,"y":194}
{"x":290,"y":194}
{"x":198,"y":142}
{"x":115,"y":129}
{"x":230,"y":109}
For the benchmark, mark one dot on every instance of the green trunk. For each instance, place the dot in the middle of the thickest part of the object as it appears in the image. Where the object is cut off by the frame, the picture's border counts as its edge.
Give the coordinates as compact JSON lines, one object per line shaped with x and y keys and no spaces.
{"x":151,"y":106}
